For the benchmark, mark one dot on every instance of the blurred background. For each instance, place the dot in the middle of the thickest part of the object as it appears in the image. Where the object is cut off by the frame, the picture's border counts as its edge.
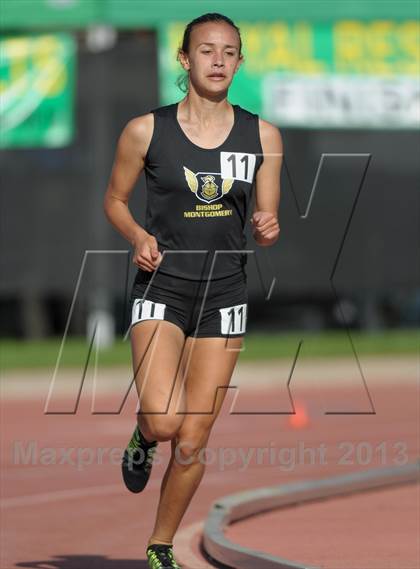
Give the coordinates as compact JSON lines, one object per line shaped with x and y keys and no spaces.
{"x":340,"y":81}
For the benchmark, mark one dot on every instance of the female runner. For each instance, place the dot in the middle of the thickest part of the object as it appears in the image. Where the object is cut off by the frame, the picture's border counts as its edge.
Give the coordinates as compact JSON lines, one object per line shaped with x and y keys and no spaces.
{"x":202,"y":157}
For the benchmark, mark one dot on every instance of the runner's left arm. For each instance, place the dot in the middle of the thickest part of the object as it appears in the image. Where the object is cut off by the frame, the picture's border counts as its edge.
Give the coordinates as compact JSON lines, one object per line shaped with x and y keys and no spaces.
{"x":264,"y":220}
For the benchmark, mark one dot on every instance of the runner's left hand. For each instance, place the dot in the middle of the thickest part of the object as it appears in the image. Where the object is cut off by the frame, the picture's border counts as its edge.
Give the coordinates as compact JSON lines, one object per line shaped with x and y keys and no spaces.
{"x":265,"y":227}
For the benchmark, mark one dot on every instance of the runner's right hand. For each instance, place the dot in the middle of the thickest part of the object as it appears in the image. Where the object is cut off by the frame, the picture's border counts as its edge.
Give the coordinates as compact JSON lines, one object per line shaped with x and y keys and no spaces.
{"x":146,"y":253}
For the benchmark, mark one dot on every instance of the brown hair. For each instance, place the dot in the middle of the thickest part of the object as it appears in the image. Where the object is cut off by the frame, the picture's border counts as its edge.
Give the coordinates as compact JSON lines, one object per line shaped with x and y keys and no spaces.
{"x":182,"y":80}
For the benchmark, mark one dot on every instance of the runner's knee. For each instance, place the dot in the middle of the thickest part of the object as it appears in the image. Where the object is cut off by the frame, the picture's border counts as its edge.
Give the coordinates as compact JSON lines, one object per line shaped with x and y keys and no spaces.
{"x":163,"y":427}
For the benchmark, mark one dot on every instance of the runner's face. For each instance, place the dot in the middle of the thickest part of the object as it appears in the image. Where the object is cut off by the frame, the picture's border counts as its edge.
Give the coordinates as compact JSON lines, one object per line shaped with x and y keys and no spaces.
{"x":213,"y":57}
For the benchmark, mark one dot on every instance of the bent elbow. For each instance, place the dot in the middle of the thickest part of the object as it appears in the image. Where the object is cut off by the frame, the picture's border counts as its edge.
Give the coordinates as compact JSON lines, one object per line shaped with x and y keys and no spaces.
{"x":110,"y":202}
{"x":106,"y":206}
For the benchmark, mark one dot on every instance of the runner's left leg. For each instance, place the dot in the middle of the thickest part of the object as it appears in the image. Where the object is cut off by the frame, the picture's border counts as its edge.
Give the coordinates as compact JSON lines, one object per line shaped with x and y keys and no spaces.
{"x":210,"y":366}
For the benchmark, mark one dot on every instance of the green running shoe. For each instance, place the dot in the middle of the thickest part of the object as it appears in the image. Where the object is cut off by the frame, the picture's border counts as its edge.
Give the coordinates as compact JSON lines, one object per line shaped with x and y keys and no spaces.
{"x":137,"y":462}
{"x":160,"y":556}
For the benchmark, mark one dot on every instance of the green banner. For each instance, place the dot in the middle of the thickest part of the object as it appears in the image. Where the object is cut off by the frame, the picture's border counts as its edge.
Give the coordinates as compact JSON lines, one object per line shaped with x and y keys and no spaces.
{"x":32,"y":14}
{"x":37,"y":90}
{"x":343,"y":74}
{"x":27,"y":14}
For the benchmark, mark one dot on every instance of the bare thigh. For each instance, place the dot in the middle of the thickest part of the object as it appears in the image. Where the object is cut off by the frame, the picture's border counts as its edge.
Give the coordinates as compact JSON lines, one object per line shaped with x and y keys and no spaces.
{"x":158,"y":355}
{"x":210,"y":363}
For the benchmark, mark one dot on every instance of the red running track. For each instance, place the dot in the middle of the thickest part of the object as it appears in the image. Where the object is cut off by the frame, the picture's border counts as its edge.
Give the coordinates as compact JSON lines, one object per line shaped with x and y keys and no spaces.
{"x":378,"y":529}
{"x":75,"y":516}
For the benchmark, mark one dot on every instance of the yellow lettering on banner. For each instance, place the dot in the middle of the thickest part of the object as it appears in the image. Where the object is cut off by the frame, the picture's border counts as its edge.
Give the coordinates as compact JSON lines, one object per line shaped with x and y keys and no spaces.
{"x":304,"y":41}
{"x":348,"y":41}
{"x":380,"y":47}
{"x":377,"y":47}
{"x":252,"y":39}
{"x":381,"y":68}
{"x":408,"y":38}
{"x":380,"y":40}
{"x":281,"y":46}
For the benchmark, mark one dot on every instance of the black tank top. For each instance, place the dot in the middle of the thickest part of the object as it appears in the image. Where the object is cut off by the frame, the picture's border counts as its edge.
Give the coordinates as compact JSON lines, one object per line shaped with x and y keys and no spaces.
{"x":198,"y":198}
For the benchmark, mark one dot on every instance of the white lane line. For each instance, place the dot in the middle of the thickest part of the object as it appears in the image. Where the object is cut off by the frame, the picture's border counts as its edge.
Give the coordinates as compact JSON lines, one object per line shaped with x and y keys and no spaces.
{"x":59,"y":495}
{"x":213,"y":478}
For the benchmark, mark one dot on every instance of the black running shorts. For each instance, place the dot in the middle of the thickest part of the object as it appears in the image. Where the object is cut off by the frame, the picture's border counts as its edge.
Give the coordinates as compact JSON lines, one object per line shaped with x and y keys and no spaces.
{"x":201,"y":308}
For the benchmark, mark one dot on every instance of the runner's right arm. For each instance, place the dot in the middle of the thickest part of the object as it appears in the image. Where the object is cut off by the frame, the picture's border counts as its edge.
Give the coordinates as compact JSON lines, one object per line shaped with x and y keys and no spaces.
{"x":128,"y":164}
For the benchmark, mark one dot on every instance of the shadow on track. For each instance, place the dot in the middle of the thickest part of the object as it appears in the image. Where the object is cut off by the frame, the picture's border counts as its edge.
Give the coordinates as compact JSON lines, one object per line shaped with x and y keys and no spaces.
{"x":85,"y":562}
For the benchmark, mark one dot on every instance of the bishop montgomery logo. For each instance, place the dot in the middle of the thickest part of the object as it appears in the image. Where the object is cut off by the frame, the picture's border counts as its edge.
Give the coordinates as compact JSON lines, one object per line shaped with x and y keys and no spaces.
{"x":208,"y":187}
{"x":209,"y":190}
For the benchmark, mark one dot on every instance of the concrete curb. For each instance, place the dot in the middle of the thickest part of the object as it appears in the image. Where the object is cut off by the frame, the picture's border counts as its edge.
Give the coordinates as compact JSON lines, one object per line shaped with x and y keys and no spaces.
{"x":234,"y":507}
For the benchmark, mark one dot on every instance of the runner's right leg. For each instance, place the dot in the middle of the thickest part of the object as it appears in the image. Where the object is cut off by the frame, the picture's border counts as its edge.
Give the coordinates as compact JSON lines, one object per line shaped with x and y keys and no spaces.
{"x":158,"y":360}
{"x":157,"y":352}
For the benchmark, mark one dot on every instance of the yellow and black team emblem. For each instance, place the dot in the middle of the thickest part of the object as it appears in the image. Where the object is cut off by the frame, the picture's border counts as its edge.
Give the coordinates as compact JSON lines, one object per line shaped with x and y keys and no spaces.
{"x":209,"y":191}
{"x":209,"y":188}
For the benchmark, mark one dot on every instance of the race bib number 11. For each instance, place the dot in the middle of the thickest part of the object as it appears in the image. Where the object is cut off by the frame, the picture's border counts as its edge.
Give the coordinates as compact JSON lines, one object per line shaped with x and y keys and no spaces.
{"x":237,"y":165}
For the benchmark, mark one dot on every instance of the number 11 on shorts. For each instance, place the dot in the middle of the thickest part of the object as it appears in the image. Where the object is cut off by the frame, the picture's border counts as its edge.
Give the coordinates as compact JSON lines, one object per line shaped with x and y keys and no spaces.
{"x":233,"y":319}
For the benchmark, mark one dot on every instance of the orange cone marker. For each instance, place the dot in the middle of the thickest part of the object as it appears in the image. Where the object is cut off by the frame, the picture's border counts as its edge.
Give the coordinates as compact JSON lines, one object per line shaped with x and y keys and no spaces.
{"x":300,"y":418}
